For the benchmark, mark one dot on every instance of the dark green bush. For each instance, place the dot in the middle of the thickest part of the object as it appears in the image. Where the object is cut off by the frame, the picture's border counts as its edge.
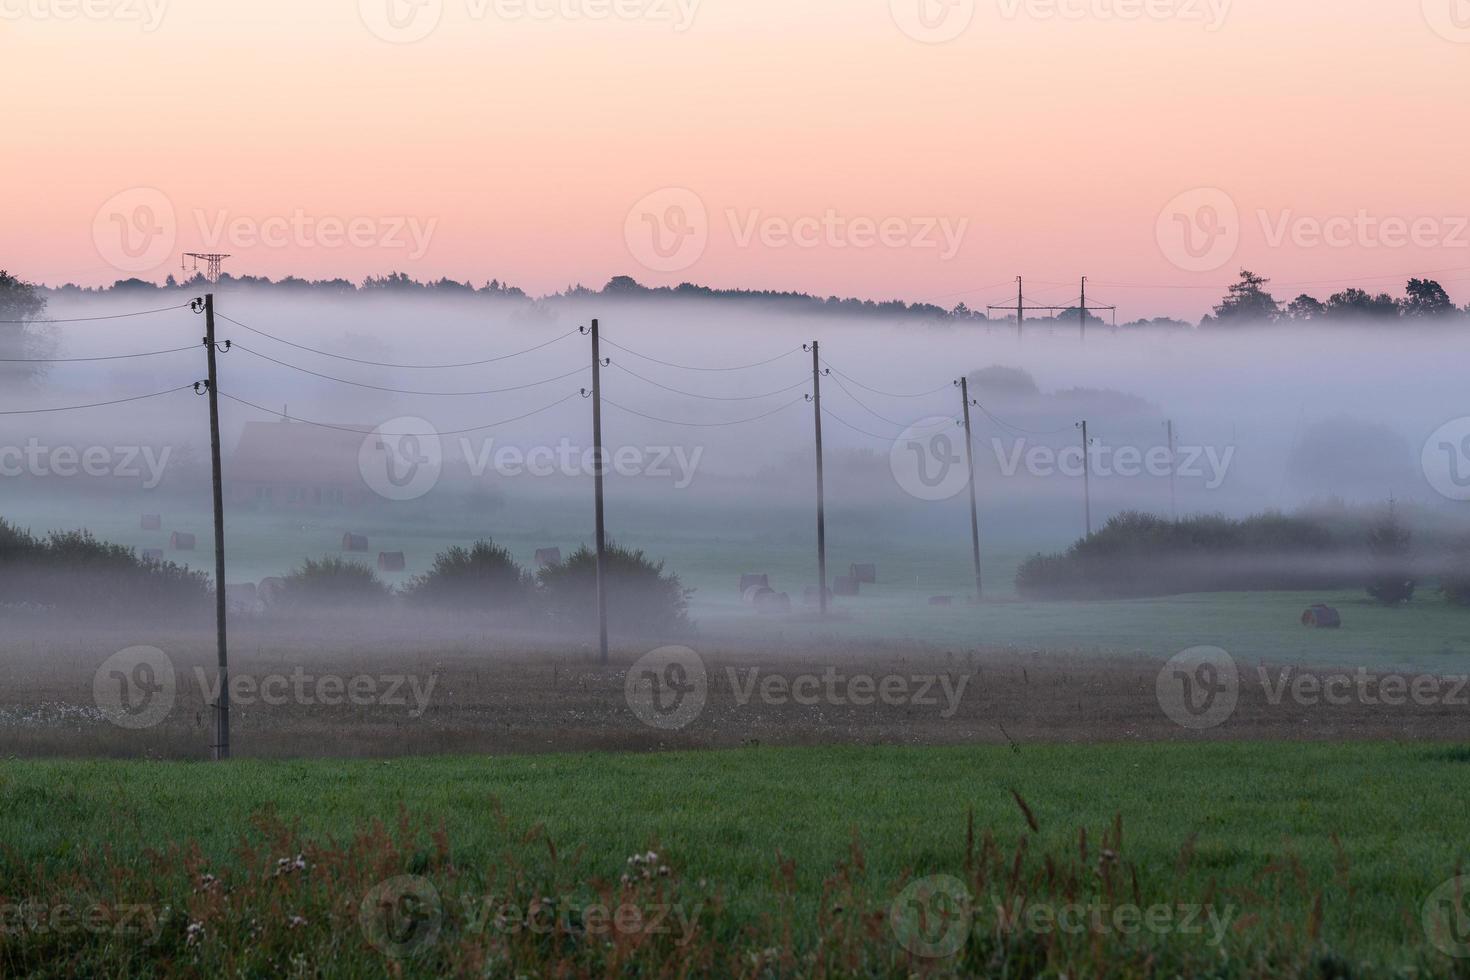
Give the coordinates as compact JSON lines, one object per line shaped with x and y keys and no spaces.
{"x":333,"y":582}
{"x":1454,"y":584}
{"x":484,"y":576}
{"x":641,"y":598}
{"x":1137,"y":554}
{"x":72,"y":571}
{"x":1391,"y":545}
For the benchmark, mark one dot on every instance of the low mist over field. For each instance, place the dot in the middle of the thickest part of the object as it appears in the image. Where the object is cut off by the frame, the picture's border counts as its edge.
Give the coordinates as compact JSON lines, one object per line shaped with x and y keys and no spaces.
{"x":1269,"y":417}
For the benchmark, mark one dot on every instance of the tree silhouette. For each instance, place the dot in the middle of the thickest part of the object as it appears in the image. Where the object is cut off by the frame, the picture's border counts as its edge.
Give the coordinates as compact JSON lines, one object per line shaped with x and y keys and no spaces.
{"x":1248,"y":302}
{"x":1426,"y":299}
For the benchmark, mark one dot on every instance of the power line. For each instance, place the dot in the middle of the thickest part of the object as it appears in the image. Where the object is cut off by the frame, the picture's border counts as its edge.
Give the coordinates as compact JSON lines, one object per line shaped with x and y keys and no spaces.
{"x":861,"y":404}
{"x":390,"y":364}
{"x":713,"y":398}
{"x":422,"y":435}
{"x":74,"y":408}
{"x":79,"y":360}
{"x":404,"y":391}
{"x":860,"y":431}
{"x":112,"y":316}
{"x":878,"y":391}
{"x":706,"y":425}
{"x":691,"y":367}
{"x":1021,"y":429}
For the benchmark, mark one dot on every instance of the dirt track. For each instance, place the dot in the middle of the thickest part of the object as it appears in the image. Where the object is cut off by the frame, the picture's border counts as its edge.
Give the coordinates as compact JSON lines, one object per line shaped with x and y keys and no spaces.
{"x":484,"y":692}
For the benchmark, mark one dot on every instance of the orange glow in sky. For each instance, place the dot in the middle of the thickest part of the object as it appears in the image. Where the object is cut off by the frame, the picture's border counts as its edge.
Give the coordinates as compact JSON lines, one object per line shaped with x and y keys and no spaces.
{"x":918,"y":149}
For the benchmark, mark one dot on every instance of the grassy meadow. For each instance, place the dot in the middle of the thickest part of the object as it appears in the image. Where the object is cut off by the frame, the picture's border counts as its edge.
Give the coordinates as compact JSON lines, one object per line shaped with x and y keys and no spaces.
{"x":1315,"y":858}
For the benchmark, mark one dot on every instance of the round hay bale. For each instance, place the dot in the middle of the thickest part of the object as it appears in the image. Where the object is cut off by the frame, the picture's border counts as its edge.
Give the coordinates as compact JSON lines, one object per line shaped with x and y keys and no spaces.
{"x":770,"y":603}
{"x":752,"y":595}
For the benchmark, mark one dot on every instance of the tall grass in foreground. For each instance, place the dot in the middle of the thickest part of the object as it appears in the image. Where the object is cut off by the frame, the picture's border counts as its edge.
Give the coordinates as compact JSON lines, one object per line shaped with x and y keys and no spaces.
{"x":393,"y":900}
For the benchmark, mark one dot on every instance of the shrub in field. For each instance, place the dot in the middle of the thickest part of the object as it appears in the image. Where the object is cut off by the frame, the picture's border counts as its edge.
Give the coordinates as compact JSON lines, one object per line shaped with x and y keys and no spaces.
{"x":641,"y":598}
{"x":1454,"y":585}
{"x":73,"y":571}
{"x":1138,"y":554}
{"x":484,"y":576}
{"x":333,"y":581}
{"x":1391,"y":546}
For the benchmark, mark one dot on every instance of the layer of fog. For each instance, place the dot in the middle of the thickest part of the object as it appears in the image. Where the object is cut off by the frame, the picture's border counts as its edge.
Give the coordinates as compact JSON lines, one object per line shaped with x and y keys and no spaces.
{"x":1270,"y":419}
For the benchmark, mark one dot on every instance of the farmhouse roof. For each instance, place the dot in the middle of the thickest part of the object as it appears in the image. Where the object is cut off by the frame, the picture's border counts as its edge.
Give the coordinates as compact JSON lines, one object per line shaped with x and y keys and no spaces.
{"x":294,"y":452}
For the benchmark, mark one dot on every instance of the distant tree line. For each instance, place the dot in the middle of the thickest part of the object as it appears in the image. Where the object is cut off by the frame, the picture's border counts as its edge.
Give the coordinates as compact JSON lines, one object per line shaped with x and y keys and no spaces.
{"x":1248,"y":302}
{"x":643,"y":599}
{"x":1138,"y":555}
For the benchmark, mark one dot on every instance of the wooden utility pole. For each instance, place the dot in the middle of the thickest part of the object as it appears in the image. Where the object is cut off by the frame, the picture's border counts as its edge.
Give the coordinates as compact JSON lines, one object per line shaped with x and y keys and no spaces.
{"x":970,"y":462}
{"x":1083,"y":310}
{"x":1020,"y":307}
{"x":221,"y":605}
{"x":597,"y":474}
{"x":1086,"y":478}
{"x":821,"y":487}
{"x":1173,"y":462}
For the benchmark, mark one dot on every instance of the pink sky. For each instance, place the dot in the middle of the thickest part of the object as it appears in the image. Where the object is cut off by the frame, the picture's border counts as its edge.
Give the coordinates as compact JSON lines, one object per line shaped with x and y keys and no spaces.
{"x":832,"y":146}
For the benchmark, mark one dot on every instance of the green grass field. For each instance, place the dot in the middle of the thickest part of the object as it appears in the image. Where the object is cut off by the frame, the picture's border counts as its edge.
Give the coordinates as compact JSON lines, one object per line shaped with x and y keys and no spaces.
{"x":726,"y":820}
